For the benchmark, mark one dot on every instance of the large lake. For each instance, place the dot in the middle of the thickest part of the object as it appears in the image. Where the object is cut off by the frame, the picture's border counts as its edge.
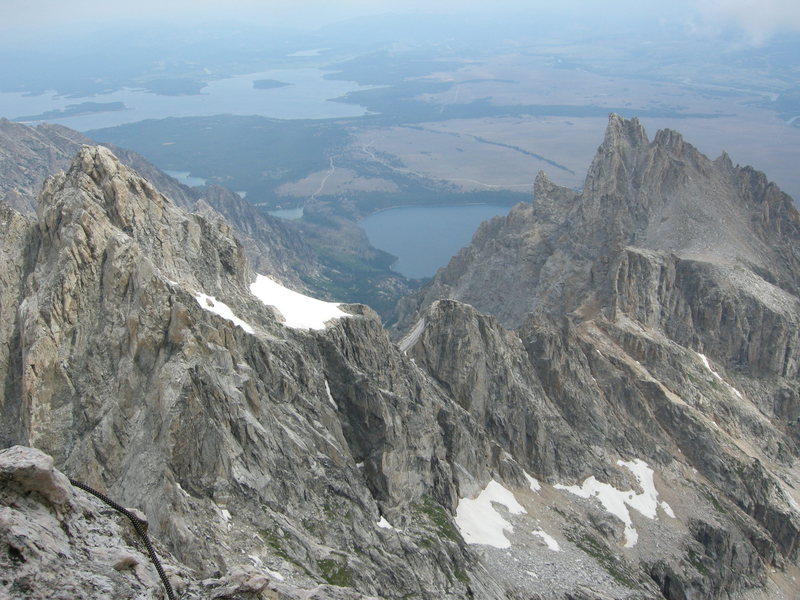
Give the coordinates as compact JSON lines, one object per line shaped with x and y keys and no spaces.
{"x":424,"y":238}
{"x":307,"y":97}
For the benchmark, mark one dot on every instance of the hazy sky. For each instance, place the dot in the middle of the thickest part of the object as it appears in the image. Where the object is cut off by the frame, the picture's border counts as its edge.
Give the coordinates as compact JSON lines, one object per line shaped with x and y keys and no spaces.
{"x":756,"y":19}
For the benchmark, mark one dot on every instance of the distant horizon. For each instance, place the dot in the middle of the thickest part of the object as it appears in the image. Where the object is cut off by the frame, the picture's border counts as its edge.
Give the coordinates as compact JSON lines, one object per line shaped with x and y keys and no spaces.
{"x":754,"y":21}
{"x":445,"y":75}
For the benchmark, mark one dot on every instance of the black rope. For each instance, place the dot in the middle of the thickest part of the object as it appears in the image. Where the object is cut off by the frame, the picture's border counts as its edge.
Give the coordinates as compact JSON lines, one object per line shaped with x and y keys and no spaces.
{"x":138,"y":525}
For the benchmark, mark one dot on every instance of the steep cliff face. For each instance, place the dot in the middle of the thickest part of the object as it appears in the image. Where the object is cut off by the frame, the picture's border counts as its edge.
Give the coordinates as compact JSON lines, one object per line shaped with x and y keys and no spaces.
{"x":576,"y":402}
{"x":659,"y":311}
{"x":244,"y":440}
{"x":18,"y":244}
{"x":641,"y":443}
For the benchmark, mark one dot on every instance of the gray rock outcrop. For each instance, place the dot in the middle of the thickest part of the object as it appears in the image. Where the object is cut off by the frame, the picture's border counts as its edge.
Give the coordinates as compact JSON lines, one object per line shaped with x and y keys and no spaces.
{"x":659,"y":310}
{"x":61,"y":542}
{"x":635,"y":436}
{"x":117,"y":370}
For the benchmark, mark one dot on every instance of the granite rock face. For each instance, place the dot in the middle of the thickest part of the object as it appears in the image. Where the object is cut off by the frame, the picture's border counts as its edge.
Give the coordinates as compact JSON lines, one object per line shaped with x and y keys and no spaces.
{"x":659,"y":311}
{"x":62,"y":542}
{"x":634,"y":436}
{"x":259,"y":445}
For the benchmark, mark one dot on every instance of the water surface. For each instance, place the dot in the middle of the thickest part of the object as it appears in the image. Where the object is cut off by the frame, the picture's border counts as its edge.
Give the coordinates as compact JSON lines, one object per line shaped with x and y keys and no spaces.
{"x":424,"y":238}
{"x":308,"y":96}
{"x":186,"y":179}
{"x":290,"y":214}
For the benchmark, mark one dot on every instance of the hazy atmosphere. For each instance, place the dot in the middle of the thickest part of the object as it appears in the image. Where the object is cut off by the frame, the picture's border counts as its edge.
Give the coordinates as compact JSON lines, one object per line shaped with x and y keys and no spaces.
{"x":319,"y":111}
{"x":758,"y":20}
{"x":399,"y":300}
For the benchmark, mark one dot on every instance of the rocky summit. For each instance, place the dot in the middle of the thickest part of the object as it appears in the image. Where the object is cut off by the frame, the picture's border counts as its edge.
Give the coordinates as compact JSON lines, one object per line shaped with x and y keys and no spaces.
{"x":597,"y":399}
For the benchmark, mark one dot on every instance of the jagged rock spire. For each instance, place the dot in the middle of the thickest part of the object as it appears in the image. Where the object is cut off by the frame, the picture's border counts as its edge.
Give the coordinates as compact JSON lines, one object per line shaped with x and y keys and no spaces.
{"x":613,"y":164}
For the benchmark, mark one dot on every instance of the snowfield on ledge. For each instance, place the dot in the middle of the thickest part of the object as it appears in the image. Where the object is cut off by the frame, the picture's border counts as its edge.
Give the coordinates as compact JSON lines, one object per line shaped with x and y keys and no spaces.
{"x":217,"y":307}
{"x":298,"y":310}
{"x":617,"y":502}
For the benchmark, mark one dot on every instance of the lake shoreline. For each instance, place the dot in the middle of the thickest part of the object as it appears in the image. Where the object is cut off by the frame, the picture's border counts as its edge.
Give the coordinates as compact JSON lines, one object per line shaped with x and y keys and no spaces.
{"x":424,"y":237}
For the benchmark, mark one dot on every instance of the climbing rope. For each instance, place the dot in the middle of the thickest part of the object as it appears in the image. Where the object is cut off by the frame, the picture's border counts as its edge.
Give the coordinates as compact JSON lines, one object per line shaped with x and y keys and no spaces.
{"x":138,"y":525}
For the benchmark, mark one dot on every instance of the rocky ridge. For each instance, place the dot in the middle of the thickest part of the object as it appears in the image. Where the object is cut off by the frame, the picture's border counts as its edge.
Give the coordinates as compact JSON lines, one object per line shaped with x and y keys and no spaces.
{"x":609,"y":455}
{"x":29,"y":155}
{"x":117,"y":370}
{"x":664,"y":261}
{"x":323,"y":254}
{"x":561,"y":253}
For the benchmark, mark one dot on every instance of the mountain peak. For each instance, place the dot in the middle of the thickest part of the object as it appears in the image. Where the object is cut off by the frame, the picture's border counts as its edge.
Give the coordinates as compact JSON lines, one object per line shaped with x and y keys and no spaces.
{"x":624,"y":131}
{"x":673,"y":141}
{"x":99,"y":183}
{"x":613,"y":164}
{"x":101,"y":202}
{"x":97,"y":162}
{"x":663,"y":196}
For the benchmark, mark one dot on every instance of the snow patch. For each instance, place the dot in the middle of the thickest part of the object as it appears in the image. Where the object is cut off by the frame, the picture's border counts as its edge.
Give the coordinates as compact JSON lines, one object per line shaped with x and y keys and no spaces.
{"x":299,"y":311}
{"x":224,"y":515}
{"x":617,"y":502}
{"x":708,"y":366}
{"x":182,"y":491}
{"x":384,"y":524}
{"x":480,"y":523}
{"x":667,"y":509}
{"x":259,"y":564}
{"x":532,"y":574}
{"x":551,"y":542}
{"x":533,"y":482}
{"x":715,"y":374}
{"x":646,"y":502}
{"x":412,"y":336}
{"x":330,"y":397}
{"x":213,"y":305}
